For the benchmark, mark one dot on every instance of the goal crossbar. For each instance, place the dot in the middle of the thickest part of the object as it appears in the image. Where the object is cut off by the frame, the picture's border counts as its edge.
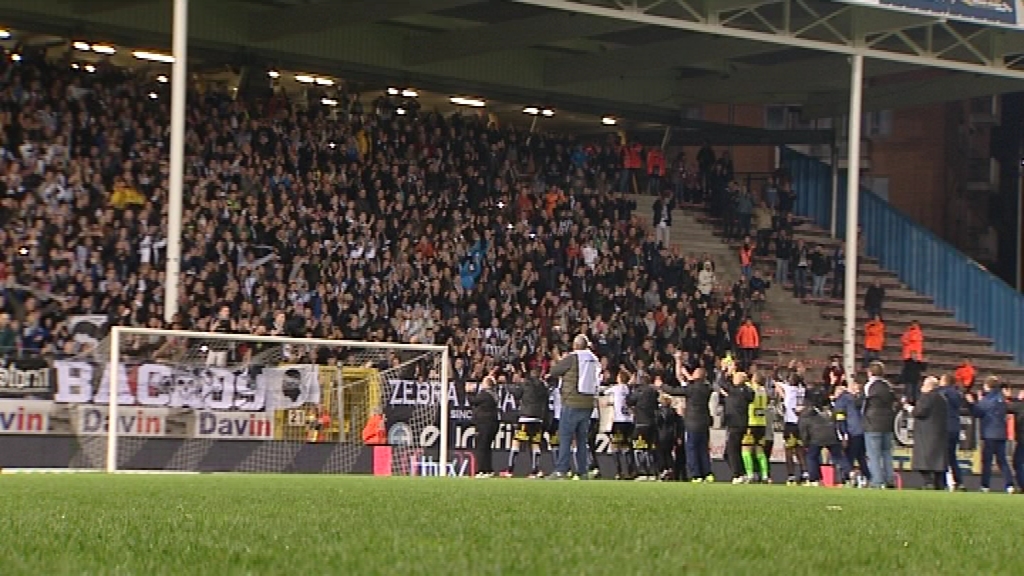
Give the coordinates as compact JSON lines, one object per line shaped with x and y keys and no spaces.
{"x":116,"y":332}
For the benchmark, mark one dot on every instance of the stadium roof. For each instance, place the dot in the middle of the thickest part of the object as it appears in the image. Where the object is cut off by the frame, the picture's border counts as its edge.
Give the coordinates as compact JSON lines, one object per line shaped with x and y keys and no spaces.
{"x":650,"y":60}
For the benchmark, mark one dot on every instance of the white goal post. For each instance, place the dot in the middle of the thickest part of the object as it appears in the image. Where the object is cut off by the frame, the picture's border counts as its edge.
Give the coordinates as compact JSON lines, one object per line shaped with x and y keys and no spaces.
{"x":118,"y":335}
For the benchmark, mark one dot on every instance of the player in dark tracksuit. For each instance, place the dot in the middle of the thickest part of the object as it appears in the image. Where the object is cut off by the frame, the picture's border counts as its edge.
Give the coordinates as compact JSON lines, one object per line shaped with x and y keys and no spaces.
{"x":643,"y":400}
{"x":738,"y":396}
{"x":671,"y":434}
{"x":532,"y":396}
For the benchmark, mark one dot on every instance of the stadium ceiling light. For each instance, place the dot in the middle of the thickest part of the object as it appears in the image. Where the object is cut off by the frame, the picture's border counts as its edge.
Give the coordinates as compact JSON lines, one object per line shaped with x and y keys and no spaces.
{"x":15,"y":57}
{"x":531,"y":110}
{"x":324,"y":82}
{"x":410,"y":93}
{"x":400,"y":111}
{"x":83,"y":46}
{"x":153,"y":56}
{"x":153,"y":95}
{"x":104,"y":49}
{"x":305,"y":79}
{"x":4,"y":34}
{"x":90,"y":68}
{"x":328,"y":101}
{"x":609,"y":121}
{"x":163,"y":79}
{"x":274,"y":74}
{"x":547,"y":112}
{"x":75,"y":66}
{"x":471,"y":102}
{"x":393,"y":91}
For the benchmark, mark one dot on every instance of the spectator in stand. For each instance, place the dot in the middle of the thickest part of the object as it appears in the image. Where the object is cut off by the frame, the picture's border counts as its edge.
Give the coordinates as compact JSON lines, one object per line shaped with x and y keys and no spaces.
{"x":874,"y":340}
{"x":965,"y":374}
{"x":874,"y":298}
{"x":834,"y":375}
{"x":8,"y":337}
{"x":764,"y":226}
{"x":746,"y":257}
{"x":913,"y":361}
{"x":930,"y":455}
{"x":787,"y":200}
{"x":879,"y":410}
{"x":655,"y":170}
{"x":800,"y":262}
{"x":759,"y":286}
{"x":819,"y":266}
{"x":706,"y":161}
{"x":783,"y":255}
{"x":839,"y":270}
{"x":749,"y":342}
{"x":954,"y":403}
{"x":991,"y":412}
{"x":663,"y":207}
{"x":744,"y":212}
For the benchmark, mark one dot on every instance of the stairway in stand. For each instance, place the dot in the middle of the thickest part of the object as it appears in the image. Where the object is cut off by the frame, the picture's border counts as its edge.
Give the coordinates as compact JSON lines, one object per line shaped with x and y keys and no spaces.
{"x":811,"y":329}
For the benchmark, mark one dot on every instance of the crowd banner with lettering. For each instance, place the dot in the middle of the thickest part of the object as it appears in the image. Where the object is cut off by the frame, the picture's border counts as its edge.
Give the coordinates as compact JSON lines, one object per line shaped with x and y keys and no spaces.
{"x":27,"y":377}
{"x":181,"y":386}
{"x":88,"y":328}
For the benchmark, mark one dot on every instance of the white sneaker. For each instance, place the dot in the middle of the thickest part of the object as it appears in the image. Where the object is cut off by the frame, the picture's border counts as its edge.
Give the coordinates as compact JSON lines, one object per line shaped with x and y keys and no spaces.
{"x":984,"y":490}
{"x":815,"y":484}
{"x":737,"y":481}
{"x":1010,"y":490}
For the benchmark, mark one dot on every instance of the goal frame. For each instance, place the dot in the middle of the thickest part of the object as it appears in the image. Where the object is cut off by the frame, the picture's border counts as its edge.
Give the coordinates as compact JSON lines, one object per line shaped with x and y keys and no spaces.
{"x":114,"y":361}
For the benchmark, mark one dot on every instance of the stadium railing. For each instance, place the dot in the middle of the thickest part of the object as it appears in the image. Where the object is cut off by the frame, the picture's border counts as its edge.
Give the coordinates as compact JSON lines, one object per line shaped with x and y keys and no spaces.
{"x":922,"y":260}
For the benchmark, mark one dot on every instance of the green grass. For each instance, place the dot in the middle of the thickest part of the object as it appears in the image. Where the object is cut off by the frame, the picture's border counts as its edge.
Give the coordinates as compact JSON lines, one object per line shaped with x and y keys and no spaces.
{"x":306,"y":525}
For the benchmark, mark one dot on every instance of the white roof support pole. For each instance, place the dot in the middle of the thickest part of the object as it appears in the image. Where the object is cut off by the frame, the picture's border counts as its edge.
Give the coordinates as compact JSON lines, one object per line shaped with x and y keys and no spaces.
{"x":179,"y":84}
{"x":852,"y":223}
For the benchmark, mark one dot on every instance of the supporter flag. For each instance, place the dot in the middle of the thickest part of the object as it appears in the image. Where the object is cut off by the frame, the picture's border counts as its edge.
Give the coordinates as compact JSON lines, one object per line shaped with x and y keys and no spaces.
{"x":290,"y":387}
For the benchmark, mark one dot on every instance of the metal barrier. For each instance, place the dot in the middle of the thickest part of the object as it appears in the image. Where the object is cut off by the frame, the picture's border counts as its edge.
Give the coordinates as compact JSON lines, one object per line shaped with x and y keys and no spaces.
{"x":922,"y":260}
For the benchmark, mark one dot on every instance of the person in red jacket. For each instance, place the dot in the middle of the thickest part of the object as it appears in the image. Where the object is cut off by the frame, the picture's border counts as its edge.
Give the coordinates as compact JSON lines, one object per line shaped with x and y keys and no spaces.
{"x":655,"y":170}
{"x":913,"y":360}
{"x":749,"y":342}
{"x":375,"y":432}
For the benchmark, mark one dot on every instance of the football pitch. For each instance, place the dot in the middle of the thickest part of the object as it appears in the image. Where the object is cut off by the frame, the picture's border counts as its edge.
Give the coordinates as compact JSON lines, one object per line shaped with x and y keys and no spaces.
{"x":294,"y":524}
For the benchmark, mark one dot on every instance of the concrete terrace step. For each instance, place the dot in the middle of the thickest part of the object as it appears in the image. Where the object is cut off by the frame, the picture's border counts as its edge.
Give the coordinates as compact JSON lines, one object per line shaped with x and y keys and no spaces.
{"x":894,"y":324}
{"x":892,"y":307}
{"x":892,"y":346}
{"x":894,"y":295}
{"x":894,"y":363}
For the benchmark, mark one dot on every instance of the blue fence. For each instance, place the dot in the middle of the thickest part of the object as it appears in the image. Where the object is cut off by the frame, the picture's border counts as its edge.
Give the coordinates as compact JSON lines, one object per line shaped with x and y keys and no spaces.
{"x":923,"y":261}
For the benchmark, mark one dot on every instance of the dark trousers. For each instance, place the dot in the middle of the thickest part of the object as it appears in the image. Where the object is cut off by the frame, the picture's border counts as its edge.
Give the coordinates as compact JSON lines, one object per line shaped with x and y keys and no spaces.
{"x":911,"y":378}
{"x":485,"y":433}
{"x":857,"y":453}
{"x":800,"y":282}
{"x":952,"y":443}
{"x":838,"y":462}
{"x":994,"y":450}
{"x":672,"y":455}
{"x":698,"y":456}
{"x":734,"y":450}
{"x":1018,"y":462}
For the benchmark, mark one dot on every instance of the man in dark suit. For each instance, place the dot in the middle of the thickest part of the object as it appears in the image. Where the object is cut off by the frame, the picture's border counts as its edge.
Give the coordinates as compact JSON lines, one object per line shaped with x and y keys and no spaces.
{"x":696,"y":421}
{"x":930,"y":456}
{"x":954,"y":402}
{"x":879,"y":410}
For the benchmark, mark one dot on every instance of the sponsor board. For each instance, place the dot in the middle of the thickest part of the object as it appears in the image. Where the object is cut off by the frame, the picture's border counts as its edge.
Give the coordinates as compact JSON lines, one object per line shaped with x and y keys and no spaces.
{"x":461,"y":464}
{"x":130,"y":421}
{"x":25,"y":416}
{"x":233,"y":426}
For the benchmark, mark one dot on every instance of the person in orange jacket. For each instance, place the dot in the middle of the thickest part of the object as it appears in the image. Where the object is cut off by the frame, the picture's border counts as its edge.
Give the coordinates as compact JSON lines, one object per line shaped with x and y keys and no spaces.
{"x":874,"y":340}
{"x":375,"y":432}
{"x":965,"y":374}
{"x":913,"y":361}
{"x":655,"y":170}
{"x":749,"y":342}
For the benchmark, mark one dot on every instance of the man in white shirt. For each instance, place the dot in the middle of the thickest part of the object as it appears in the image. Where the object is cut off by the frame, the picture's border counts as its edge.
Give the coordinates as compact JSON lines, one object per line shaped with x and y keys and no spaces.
{"x":580,"y":372}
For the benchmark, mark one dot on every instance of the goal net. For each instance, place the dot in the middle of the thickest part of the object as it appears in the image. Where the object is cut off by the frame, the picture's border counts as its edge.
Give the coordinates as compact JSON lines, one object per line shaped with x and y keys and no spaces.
{"x":197,"y":402}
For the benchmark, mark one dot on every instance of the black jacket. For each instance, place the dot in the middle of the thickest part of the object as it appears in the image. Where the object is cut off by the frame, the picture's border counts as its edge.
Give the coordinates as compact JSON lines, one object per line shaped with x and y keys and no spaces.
{"x":874,"y":296}
{"x":817,"y":428}
{"x":879,"y":407}
{"x":532,"y":396}
{"x":665,"y":206}
{"x":697,"y":415}
{"x":670,"y":423}
{"x":737,"y":404}
{"x":643,"y":399}
{"x":485,"y":407}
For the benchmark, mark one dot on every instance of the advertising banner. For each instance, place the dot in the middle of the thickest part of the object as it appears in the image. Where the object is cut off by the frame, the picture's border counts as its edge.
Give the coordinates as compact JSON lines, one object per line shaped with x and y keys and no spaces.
{"x":983,"y":12}
{"x":130,"y":421}
{"x":25,"y":416}
{"x":233,"y":425}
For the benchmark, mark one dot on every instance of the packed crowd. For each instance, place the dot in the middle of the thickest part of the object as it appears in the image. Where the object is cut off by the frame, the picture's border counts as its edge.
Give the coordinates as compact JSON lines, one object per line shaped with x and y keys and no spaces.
{"x":303,"y":220}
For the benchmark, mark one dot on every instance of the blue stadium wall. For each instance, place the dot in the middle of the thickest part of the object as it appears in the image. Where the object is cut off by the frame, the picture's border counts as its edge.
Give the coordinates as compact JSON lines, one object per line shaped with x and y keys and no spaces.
{"x":922,"y":260}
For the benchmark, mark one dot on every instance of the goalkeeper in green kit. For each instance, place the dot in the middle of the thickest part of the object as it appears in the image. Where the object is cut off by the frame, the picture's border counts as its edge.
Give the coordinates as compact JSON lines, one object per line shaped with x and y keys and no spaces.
{"x":757,"y":430}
